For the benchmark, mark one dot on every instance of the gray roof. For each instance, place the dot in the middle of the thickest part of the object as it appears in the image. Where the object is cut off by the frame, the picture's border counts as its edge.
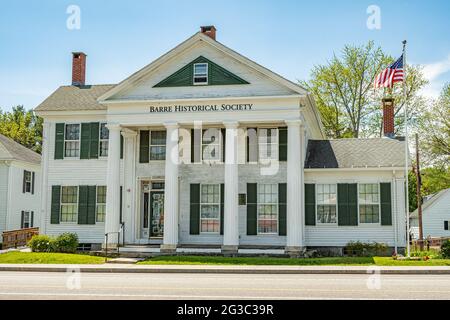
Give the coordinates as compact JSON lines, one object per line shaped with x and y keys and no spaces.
{"x":430,"y":201}
{"x":16,"y":151}
{"x":75,"y":98}
{"x":355,"y":153}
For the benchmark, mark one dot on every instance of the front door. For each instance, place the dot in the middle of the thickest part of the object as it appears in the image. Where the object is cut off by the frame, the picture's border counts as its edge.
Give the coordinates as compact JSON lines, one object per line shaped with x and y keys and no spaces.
{"x":156,"y":214}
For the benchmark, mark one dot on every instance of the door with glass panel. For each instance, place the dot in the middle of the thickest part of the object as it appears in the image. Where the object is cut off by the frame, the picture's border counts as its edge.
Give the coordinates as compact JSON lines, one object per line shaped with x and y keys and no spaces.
{"x":156,"y":214}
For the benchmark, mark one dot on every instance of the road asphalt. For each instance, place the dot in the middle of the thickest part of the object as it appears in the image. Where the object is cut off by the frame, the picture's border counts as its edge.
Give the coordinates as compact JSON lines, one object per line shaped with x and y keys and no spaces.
{"x":72,"y":285}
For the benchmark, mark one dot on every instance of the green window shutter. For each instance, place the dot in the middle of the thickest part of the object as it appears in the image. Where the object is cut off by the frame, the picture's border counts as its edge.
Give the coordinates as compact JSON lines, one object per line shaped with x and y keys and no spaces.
{"x":310,"y":204}
{"x":282,"y":199}
{"x":347,"y":204}
{"x":85,"y":146}
{"x":32,"y":219}
{"x":95,"y":127}
{"x":194,"y":224}
{"x":22,"y":219}
{"x":386,"y":207}
{"x":445,"y":225}
{"x":144,"y":146}
{"x":121,"y":147}
{"x":252,"y":145}
{"x":222,"y":207}
{"x":59,"y":141}
{"x":282,"y":144}
{"x":91,"y":205}
{"x":56,"y":205}
{"x":252,"y":212}
{"x":83,"y":194}
{"x":224,"y":134}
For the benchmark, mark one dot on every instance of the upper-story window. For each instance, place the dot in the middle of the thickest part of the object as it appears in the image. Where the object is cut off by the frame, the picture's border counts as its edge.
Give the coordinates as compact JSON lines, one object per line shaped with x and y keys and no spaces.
{"x":211,"y":144}
{"x":157,"y":145}
{"x":268,"y":144}
{"x":27,"y":181}
{"x":326,"y":203}
{"x":104,"y":140}
{"x":200,"y":73}
{"x":72,"y":140}
{"x":369,"y":203}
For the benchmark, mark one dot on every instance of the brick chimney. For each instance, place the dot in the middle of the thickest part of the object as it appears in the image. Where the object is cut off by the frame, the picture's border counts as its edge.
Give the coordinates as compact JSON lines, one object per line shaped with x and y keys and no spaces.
{"x":78,"y":69}
{"x":388,"y":117}
{"x":210,"y":31}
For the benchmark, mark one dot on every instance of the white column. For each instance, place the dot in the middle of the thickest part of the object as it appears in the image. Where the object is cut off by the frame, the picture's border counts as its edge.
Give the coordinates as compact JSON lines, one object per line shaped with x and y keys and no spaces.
{"x":129,"y":183}
{"x":294,"y":241}
{"x":231,"y":214}
{"x":112,"y":223}
{"x":170,"y":240}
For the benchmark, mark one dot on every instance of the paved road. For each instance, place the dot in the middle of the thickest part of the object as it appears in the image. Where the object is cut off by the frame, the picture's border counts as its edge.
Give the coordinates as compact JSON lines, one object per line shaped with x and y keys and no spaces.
{"x":30,"y":285}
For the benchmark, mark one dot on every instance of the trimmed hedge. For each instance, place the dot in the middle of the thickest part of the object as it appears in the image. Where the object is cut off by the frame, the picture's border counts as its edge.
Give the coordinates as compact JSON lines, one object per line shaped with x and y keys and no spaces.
{"x":445,"y":249}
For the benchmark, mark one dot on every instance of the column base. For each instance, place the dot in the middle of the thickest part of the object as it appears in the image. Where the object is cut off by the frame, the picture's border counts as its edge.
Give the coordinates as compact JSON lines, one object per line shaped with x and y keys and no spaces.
{"x":229,"y":250}
{"x":168,"y":248}
{"x":294,"y":251}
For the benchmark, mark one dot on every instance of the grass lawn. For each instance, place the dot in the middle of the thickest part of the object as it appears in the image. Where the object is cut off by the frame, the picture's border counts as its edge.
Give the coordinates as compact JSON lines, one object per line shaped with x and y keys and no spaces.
{"x":355,"y":261}
{"x":49,"y":258}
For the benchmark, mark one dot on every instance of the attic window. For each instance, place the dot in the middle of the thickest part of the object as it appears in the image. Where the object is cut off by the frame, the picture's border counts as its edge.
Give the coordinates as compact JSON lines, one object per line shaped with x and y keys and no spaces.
{"x":200,"y":73}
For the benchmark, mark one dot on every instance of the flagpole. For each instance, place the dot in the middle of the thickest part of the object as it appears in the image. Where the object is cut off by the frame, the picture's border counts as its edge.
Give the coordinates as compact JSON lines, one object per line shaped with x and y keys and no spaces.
{"x":405,"y":111}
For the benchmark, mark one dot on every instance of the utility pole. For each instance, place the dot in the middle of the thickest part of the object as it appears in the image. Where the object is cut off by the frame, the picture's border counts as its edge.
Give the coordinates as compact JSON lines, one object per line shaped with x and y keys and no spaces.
{"x":419,"y":196}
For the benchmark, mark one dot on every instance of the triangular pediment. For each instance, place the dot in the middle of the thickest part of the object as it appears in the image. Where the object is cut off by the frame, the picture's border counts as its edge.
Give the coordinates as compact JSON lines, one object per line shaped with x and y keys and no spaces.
{"x":217,"y":76}
{"x":229,"y":75}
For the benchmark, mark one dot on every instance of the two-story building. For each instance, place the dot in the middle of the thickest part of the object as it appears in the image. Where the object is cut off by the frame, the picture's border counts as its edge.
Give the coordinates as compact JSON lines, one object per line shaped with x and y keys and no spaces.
{"x":204,"y":147}
{"x":20,"y":185}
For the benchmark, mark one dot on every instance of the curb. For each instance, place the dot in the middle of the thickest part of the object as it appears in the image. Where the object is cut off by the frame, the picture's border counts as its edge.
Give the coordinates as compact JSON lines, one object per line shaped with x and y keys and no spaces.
{"x":225,"y":270}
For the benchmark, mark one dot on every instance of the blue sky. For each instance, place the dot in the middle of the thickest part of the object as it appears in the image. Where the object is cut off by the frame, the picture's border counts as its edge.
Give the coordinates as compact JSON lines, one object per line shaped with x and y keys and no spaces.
{"x":288,"y":37}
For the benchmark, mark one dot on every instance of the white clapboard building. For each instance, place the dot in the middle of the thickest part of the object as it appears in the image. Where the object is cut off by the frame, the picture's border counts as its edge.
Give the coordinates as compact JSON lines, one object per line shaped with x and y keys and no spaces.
{"x":204,"y":147}
{"x":435,"y":216}
{"x":20,"y":182}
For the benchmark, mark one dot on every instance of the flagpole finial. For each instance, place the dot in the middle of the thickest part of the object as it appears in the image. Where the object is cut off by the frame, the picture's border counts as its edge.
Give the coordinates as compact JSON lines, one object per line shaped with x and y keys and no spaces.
{"x":404,"y":42}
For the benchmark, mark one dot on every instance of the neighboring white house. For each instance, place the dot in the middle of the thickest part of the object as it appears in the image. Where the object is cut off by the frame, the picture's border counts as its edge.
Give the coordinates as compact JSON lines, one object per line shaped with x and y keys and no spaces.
{"x":20,"y":185}
{"x":435,"y":216}
{"x":204,"y":147}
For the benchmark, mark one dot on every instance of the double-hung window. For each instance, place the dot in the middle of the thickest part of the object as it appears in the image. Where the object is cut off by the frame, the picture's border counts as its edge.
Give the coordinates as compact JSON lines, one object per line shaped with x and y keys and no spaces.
{"x":104,"y":140}
{"x":157,"y":145}
{"x":326,"y":203}
{"x":268,"y":144}
{"x":69,"y":204}
{"x":210,"y":208}
{"x":101,"y":204}
{"x":200,"y":73}
{"x":369,"y":203}
{"x":72,"y":141}
{"x":267,"y":208}
{"x":28,"y":177}
{"x":211,"y":144}
{"x":26,"y":220}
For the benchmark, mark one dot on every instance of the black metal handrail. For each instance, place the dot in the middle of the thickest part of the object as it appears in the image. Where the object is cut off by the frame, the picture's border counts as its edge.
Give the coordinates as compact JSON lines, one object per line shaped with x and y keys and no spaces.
{"x":121,"y":231}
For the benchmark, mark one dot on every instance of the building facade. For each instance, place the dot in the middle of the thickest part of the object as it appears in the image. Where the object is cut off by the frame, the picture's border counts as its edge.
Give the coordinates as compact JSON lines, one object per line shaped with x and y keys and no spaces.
{"x":20,"y":182}
{"x":435,"y":216}
{"x":204,"y":147}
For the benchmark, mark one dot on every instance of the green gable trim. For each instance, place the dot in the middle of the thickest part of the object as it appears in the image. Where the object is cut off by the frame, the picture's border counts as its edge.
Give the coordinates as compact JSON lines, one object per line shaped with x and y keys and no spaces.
{"x":217,"y":76}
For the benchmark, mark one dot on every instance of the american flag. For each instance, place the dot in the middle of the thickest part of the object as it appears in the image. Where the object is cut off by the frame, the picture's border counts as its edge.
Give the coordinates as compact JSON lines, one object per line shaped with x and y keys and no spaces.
{"x":390,"y":75}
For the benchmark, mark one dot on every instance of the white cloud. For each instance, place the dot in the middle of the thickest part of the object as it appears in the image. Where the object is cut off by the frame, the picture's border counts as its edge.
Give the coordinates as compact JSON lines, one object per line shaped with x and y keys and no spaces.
{"x":432,"y":73}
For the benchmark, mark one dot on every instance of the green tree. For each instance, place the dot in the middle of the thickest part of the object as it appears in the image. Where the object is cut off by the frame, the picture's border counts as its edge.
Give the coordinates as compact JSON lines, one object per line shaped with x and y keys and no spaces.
{"x":23,"y":127}
{"x":348,"y":103}
{"x":435,"y":132}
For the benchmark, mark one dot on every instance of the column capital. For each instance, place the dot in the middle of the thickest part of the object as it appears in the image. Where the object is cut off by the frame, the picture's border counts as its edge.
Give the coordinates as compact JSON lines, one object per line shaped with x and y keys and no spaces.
{"x":294,"y":122}
{"x":171,"y":125}
{"x":128,"y":133}
{"x":231,"y":124}
{"x":113,"y":126}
